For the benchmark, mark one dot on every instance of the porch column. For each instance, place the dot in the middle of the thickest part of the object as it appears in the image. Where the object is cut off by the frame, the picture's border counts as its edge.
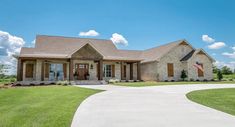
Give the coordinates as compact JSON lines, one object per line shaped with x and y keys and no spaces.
{"x":138,"y":71}
{"x":42,"y":71}
{"x":19,"y":69}
{"x":70,"y":69}
{"x":131,"y":71}
{"x":121,"y":67}
{"x":100,"y":69}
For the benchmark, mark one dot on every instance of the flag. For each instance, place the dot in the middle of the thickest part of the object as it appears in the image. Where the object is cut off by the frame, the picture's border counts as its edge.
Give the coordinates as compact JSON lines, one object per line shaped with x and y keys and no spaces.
{"x":198,"y":66}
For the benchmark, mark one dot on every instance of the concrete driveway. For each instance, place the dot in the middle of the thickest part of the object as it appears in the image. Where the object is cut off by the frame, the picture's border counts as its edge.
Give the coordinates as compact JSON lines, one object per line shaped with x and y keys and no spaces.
{"x":157,"y":106}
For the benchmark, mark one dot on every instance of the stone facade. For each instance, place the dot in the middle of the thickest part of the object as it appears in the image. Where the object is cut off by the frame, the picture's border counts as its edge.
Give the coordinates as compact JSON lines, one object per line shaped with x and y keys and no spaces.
{"x":207,"y":66}
{"x":157,"y":71}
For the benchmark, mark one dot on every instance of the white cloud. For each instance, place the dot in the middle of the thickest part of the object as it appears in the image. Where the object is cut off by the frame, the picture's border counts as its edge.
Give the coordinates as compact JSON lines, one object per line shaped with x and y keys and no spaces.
{"x":89,"y":33}
{"x":230,"y":55}
{"x":118,"y":39}
{"x":233,"y":48}
{"x":217,"y":45}
{"x":230,"y":64}
{"x":208,"y":39}
{"x":10,"y":45}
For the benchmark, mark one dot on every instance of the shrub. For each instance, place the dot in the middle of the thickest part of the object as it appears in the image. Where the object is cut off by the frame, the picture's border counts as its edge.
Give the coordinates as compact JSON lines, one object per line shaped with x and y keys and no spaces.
{"x":212,"y":80}
{"x":42,"y":83}
{"x":197,"y":80}
{"x":219,"y":75}
{"x":230,"y":79}
{"x":191,"y":79}
{"x":52,"y":83}
{"x":112,"y":81}
{"x":183,"y":75}
{"x":32,"y":84}
{"x":205,"y":80}
{"x":166,"y":81}
{"x":12,"y":80}
{"x":172,"y":80}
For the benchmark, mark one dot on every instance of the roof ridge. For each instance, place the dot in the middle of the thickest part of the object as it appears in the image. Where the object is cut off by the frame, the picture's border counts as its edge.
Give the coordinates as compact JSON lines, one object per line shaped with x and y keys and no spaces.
{"x":178,"y":41}
{"x":70,"y":37}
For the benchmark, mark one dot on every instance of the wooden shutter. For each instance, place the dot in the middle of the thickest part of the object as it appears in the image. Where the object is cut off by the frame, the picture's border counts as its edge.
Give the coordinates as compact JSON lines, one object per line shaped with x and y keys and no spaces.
{"x":113,"y":70}
{"x":29,"y":71}
{"x":65,"y":70}
{"x":200,"y":72}
{"x":170,"y":69}
{"x":47,"y":70}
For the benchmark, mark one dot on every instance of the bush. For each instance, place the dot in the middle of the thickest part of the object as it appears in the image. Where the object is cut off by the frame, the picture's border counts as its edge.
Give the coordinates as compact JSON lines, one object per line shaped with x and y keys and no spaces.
{"x":172,"y":80}
{"x":12,"y":79}
{"x":191,"y":79}
{"x":197,"y":80}
{"x":166,"y":81}
{"x":219,"y":75}
{"x":205,"y":80}
{"x":42,"y":83}
{"x":32,"y":84}
{"x":112,"y":81}
{"x":183,"y":75}
{"x":230,"y":79}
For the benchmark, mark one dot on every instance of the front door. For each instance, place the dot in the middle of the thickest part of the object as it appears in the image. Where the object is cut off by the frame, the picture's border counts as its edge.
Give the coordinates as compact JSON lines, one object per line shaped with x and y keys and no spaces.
{"x":83,"y":71}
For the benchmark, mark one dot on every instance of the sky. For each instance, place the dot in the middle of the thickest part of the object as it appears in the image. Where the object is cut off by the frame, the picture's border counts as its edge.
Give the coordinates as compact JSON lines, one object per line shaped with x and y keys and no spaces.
{"x":130,"y":24}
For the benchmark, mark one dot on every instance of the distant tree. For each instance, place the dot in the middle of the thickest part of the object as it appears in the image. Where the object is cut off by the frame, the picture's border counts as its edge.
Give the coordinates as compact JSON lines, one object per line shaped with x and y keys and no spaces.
{"x":219,"y":75}
{"x":226,"y":70}
{"x":215,"y":69}
{"x":183,"y":75}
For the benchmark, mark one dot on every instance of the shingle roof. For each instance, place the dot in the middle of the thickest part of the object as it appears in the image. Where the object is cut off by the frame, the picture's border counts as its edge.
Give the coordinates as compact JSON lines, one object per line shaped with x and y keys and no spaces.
{"x":154,"y":54}
{"x":64,"y":47}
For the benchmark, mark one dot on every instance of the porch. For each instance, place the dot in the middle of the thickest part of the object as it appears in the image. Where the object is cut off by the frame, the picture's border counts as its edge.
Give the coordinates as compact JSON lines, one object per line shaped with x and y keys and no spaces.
{"x":76,"y":70}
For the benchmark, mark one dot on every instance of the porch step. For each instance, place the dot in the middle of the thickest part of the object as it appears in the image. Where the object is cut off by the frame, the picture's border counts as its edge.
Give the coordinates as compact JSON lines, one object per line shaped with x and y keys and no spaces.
{"x":88,"y":82}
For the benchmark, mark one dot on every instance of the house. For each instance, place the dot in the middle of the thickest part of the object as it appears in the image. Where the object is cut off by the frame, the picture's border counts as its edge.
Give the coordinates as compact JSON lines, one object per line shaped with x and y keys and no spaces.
{"x":67,"y":58}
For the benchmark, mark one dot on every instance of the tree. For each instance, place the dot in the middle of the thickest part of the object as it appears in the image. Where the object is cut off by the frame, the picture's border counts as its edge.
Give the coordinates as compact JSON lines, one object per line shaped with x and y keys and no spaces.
{"x":219,"y":75}
{"x":183,"y":75}
{"x":215,"y":69}
{"x":226,"y":70}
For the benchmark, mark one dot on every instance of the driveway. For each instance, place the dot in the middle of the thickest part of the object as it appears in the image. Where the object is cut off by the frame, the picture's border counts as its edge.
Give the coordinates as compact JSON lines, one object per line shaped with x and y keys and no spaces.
{"x":156,"y":106}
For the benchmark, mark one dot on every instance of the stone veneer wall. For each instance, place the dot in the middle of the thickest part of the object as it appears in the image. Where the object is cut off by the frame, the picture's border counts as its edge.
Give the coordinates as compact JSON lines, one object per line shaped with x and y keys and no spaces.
{"x":158,"y":70}
{"x":207,"y":66}
{"x":149,"y":71}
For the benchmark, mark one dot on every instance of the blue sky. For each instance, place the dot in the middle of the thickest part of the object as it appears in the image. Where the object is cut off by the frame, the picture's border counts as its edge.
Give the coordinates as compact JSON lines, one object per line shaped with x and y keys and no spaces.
{"x":142,"y":23}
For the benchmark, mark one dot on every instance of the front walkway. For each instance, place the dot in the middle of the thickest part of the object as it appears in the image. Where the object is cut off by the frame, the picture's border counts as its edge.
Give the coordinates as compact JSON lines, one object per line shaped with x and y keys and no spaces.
{"x":157,"y":106}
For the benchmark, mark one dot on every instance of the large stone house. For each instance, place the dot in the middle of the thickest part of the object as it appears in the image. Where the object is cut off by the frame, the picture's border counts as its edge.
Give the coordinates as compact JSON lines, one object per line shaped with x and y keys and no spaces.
{"x":67,"y":58}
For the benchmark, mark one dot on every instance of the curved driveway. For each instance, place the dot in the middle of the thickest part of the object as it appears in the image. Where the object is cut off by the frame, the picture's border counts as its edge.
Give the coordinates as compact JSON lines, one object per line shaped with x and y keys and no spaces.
{"x":156,"y":106}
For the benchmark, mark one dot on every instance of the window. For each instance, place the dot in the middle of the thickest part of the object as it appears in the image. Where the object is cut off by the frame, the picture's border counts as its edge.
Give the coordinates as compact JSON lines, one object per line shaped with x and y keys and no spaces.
{"x":200,"y":72}
{"x":170,"y":69}
{"x":107,"y":70}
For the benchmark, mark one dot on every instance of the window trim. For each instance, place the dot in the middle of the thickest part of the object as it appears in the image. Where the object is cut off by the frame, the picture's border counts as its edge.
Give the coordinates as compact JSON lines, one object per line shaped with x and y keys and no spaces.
{"x":107,"y":73}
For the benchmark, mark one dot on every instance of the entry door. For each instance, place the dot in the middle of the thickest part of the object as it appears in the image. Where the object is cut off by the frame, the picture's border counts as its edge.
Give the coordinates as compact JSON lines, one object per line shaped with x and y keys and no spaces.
{"x":82,"y":71}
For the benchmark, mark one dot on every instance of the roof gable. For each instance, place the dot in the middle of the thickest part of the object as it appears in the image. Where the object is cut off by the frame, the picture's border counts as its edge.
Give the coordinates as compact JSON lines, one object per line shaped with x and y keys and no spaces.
{"x":87,"y":52}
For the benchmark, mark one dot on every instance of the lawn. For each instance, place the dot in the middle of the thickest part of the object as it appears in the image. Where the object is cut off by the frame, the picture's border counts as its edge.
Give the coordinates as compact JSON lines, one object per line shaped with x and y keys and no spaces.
{"x":141,"y":84}
{"x":42,"y":106}
{"x":220,"y":99}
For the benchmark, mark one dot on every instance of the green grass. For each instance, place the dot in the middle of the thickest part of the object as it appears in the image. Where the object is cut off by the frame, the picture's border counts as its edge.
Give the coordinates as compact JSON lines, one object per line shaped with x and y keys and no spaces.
{"x":43,"y":106}
{"x":220,"y":99}
{"x":141,"y":84}
{"x":225,"y":77}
